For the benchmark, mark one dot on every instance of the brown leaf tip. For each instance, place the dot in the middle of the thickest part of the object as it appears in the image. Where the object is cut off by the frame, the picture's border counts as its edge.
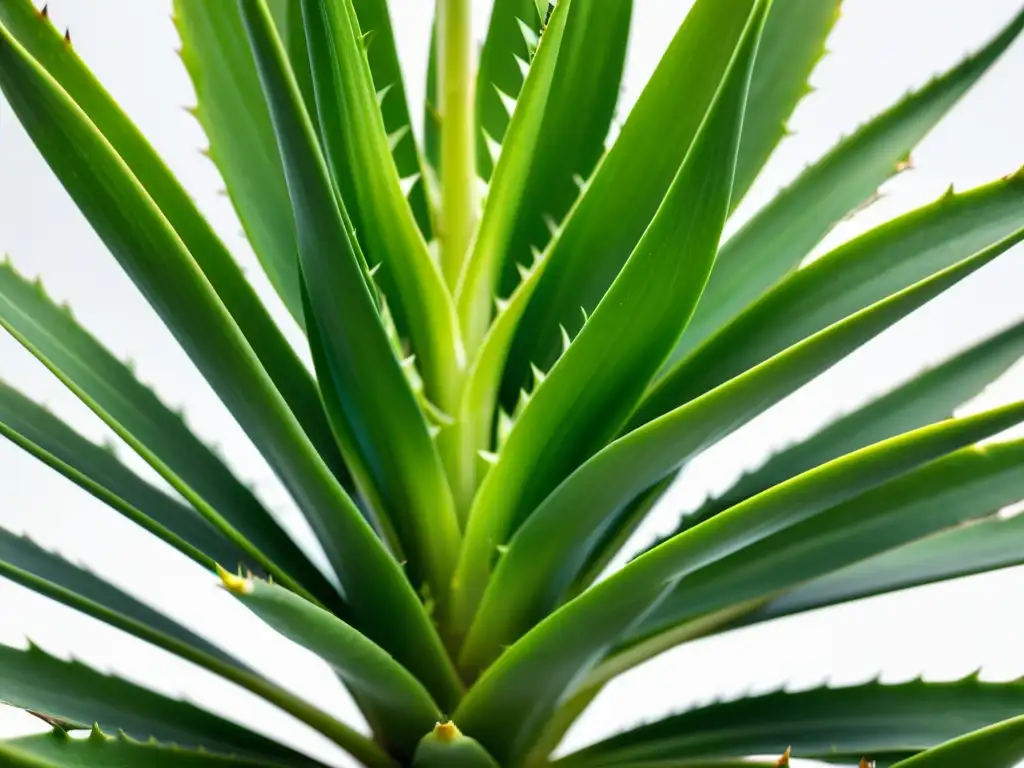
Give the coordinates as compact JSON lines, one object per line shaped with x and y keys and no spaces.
{"x":67,"y":36}
{"x":784,"y":760}
{"x":865,"y":763}
{"x":44,"y":12}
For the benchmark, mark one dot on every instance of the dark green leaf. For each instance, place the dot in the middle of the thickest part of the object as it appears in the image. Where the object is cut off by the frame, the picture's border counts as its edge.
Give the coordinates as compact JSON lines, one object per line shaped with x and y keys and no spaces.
{"x":997,"y":746}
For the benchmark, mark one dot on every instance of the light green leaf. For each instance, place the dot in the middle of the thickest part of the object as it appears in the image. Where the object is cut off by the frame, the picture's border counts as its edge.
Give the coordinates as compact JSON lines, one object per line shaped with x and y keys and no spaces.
{"x":854,"y":275}
{"x":568,"y":149}
{"x":547,"y":552}
{"x":605,"y":225}
{"x":98,"y":471}
{"x":363,"y":172}
{"x":159,"y":435}
{"x":482,"y":268}
{"x":928,"y":397}
{"x":20,"y":556}
{"x":58,"y":750}
{"x":778,"y":237}
{"x":837,"y":724}
{"x":69,"y":690}
{"x":997,"y":746}
{"x":792,"y":44}
{"x":368,"y":380}
{"x":507,"y":717}
{"x":446,"y":747}
{"x":587,"y":395}
{"x":46,"y":45}
{"x":396,"y":705}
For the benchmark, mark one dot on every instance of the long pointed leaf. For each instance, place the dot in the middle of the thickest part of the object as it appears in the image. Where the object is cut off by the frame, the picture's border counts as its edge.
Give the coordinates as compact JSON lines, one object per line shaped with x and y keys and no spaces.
{"x":840,"y":724}
{"x":383,"y":602}
{"x":47,"y":46}
{"x":864,"y":270}
{"x":547,"y":552}
{"x":605,"y":225}
{"x":507,"y":717}
{"x":997,"y":746}
{"x":778,"y":237}
{"x":396,"y":705}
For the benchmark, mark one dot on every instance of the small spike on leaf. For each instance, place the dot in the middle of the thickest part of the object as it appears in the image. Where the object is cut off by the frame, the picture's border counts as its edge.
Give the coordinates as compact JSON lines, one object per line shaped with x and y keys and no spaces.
{"x":408,"y":183}
{"x":784,"y":760}
{"x":507,"y":101}
{"x":538,"y":374}
{"x":488,"y":457}
{"x":566,"y":338}
{"x":383,"y":92}
{"x":67,"y":36}
{"x":367,"y":39}
{"x":865,"y":763}
{"x":492,"y":144}
{"x":44,"y":12}
{"x":524,"y":66}
{"x":529,"y":36}
{"x":396,"y":136}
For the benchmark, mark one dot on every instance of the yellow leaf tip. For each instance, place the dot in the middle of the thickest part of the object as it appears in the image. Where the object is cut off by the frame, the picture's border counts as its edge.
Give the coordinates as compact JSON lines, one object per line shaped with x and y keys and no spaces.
{"x":447,"y":731}
{"x":236,"y":585}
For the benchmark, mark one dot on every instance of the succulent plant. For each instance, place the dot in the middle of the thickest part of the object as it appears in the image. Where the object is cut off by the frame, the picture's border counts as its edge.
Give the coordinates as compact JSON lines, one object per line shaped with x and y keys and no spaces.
{"x":520,"y":330}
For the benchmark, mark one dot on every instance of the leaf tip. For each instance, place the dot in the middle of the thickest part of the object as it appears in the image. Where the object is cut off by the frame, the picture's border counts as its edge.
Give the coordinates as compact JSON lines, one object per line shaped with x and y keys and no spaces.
{"x":236,"y":585}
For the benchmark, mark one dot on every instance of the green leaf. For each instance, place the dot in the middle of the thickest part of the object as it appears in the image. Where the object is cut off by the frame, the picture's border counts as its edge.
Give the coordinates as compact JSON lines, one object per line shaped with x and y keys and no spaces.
{"x":837,"y":724}
{"x":19,"y":556}
{"x":792,"y":44}
{"x":47,"y":46}
{"x":568,"y":148}
{"x":587,"y":395}
{"x":98,"y":471}
{"x":396,"y":705}
{"x":233,"y":115}
{"x":382,"y":55}
{"x":58,"y":750}
{"x":984,"y":546}
{"x":432,"y":116}
{"x":446,"y":747}
{"x":970,"y":484}
{"x":482,"y":269}
{"x":853,"y":276}
{"x":69,"y":690}
{"x":368,"y":380}
{"x":159,"y":435}
{"x":997,"y":746}
{"x":497,"y":71}
{"x":605,"y":225}
{"x":779,"y":236}
{"x":928,"y":397}
{"x":362,"y":169}
{"x":545,"y":555}
{"x":507,"y":717}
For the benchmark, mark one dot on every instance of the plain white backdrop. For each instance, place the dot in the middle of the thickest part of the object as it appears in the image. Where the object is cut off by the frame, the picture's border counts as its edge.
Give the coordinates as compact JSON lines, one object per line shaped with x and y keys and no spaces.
{"x":879,"y":50}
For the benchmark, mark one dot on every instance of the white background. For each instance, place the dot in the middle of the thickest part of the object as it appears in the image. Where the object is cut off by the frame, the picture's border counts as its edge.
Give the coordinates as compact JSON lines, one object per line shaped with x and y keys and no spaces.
{"x":880,"y":49}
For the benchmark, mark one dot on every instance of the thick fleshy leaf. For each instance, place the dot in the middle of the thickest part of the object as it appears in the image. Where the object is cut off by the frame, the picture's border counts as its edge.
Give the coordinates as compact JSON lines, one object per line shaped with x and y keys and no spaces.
{"x":446,"y":747}
{"x":69,"y":690}
{"x":968,"y":485}
{"x":929,"y":397}
{"x":865,"y":270}
{"x":98,"y":471}
{"x":233,"y":115}
{"x":605,"y":226}
{"x":792,"y":44}
{"x":371,"y":387}
{"x":587,"y":395}
{"x":569,"y":148}
{"x":158,"y":434}
{"x":362,"y":169}
{"x":482,"y":269}
{"x":837,"y":724}
{"x":288,"y":374}
{"x":507,"y":717}
{"x":545,"y":555}
{"x":498,"y":71}
{"x":58,"y":750}
{"x":997,"y":746}
{"x":155,"y":258}
{"x":784,"y":232}
{"x":396,"y":705}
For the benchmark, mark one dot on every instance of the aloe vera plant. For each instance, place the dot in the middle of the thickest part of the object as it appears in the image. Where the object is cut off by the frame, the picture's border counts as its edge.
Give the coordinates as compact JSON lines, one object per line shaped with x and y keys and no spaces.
{"x":520,"y":330}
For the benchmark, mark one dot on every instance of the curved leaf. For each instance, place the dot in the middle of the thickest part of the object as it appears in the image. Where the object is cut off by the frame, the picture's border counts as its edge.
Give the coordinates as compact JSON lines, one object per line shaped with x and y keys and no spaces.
{"x":288,"y":374}
{"x":545,"y":555}
{"x":40,"y":433}
{"x":396,"y":705}
{"x":778,"y":237}
{"x":507,"y":717}
{"x":928,"y":397}
{"x":58,"y":750}
{"x":605,"y":226}
{"x":869,"y":268}
{"x":160,"y":436}
{"x":588,"y":394}
{"x":837,"y":724}
{"x":69,"y":690}
{"x":998,"y":746}
{"x":384,"y":605}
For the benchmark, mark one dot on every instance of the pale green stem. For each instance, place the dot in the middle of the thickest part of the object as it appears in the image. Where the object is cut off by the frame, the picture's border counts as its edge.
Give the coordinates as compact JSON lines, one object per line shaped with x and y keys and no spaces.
{"x":458,"y":141}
